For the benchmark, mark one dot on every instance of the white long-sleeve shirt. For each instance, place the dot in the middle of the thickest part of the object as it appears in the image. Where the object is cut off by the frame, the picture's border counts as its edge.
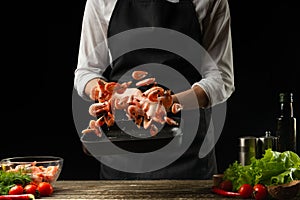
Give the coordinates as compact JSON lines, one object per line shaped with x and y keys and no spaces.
{"x":214,"y":19}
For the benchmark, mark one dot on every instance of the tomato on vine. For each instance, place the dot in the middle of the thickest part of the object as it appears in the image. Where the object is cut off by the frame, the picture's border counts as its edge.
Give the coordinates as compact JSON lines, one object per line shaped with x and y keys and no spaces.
{"x":45,"y":189}
{"x":245,"y":191}
{"x":16,"y":189}
{"x":260,"y":192}
{"x":226,"y":185}
{"x":31,"y":189}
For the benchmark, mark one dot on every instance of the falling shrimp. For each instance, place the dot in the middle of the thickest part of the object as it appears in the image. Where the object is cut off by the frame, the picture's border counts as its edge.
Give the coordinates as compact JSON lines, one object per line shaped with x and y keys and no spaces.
{"x":146,"y":108}
{"x":176,"y":107}
{"x":145,"y":82}
{"x":138,"y":75}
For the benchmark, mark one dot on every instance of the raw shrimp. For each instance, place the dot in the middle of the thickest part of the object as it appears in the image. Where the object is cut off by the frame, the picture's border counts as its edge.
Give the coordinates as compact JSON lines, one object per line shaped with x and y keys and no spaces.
{"x":144,"y":108}
{"x":145,"y":82}
{"x":138,"y":75}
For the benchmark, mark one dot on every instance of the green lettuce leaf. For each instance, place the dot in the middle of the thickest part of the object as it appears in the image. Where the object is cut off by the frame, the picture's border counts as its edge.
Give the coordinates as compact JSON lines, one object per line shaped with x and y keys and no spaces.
{"x":272,"y":169}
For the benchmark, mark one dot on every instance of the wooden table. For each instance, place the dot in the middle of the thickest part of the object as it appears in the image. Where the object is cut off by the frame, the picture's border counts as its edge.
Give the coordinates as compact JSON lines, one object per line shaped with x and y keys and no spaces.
{"x":138,"y":189}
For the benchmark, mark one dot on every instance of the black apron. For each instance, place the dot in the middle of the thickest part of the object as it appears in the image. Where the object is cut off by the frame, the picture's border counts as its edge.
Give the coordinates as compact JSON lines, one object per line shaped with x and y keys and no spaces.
{"x":132,"y":14}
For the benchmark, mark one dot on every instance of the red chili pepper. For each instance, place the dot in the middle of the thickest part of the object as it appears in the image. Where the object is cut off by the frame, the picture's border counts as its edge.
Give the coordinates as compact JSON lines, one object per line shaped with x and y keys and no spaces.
{"x":17,"y":197}
{"x":219,"y":191}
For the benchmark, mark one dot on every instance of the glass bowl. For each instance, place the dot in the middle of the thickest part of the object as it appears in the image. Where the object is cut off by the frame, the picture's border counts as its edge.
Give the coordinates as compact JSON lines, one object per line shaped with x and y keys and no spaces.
{"x":39,"y":168}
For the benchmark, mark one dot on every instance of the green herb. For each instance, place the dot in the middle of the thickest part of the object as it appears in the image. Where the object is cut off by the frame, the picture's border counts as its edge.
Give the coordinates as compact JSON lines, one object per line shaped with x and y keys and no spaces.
{"x":9,"y":179}
{"x":273,"y":169}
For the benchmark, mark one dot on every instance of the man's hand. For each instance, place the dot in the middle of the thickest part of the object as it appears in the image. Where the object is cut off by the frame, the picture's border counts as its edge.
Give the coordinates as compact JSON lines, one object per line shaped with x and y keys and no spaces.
{"x":92,"y":88}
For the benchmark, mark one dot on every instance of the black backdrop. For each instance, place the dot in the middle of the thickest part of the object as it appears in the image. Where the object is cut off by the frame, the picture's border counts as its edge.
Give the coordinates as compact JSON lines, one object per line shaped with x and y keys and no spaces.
{"x":37,"y":97}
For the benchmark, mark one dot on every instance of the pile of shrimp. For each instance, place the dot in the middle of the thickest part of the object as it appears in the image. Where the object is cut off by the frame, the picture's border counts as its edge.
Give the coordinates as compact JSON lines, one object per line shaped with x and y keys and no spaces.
{"x":144,"y":108}
{"x":37,"y":173}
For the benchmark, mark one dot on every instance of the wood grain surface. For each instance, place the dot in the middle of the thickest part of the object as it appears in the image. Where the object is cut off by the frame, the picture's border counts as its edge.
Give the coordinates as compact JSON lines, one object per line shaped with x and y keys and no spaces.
{"x":137,"y":189}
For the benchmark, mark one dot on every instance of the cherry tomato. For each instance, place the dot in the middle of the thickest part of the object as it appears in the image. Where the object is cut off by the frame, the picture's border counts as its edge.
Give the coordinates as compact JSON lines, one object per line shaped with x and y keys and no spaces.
{"x":246,"y":191}
{"x":17,"y":189}
{"x":33,"y":183}
{"x":30,"y":189}
{"x":45,"y":189}
{"x":226,"y":185}
{"x":260,"y":192}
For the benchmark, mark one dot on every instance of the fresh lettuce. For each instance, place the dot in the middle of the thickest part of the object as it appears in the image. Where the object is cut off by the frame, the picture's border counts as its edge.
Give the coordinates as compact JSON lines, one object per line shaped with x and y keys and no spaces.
{"x":272,"y":169}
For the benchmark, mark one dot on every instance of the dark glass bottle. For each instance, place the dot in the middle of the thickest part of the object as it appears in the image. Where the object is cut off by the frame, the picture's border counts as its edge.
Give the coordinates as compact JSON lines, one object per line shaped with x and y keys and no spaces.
{"x":286,"y":124}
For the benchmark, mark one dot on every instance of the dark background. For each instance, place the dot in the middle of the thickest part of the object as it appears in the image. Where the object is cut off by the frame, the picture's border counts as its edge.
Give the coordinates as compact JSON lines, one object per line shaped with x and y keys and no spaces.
{"x":37,"y":84}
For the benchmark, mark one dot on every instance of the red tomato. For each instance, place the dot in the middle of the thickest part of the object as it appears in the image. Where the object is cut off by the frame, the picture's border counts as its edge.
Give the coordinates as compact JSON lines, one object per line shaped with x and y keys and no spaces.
{"x":246,"y":191}
{"x":33,"y":183}
{"x":260,"y":192}
{"x":45,"y":189}
{"x":226,"y":185}
{"x":30,"y":189}
{"x":17,"y":189}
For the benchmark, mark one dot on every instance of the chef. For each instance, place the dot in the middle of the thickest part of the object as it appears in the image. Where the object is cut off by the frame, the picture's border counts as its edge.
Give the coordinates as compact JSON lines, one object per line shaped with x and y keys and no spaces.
{"x":207,"y":22}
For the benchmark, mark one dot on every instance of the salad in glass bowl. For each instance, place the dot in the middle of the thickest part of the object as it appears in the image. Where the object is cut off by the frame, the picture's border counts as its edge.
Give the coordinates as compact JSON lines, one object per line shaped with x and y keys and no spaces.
{"x":38,"y":168}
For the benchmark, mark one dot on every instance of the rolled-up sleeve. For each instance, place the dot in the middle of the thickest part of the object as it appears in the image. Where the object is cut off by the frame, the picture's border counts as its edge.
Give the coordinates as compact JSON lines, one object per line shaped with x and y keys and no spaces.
{"x":93,"y":56}
{"x":216,"y":40}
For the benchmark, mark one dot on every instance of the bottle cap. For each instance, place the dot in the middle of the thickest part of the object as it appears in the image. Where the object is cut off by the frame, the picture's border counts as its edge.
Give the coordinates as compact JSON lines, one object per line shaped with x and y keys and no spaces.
{"x":285,"y":97}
